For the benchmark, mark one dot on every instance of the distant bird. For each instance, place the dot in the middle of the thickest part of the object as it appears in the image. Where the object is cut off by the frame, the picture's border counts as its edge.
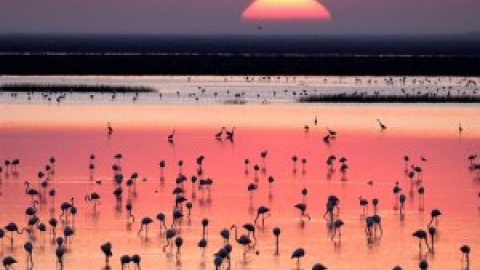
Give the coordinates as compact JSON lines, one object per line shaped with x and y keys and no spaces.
{"x":303,"y":208}
{"x":59,"y":253}
{"x":460,"y":128}
{"x":136,"y":259}
{"x":107,"y":251}
{"x":298,"y":254}
{"x":110,"y":128}
{"x":276,"y":232}
{"x":319,"y":266}
{"x":262,"y":211}
{"x":28,"y":246}
{"x":337,"y":225}
{"x":465,"y":255}
{"x":218,"y":135}
{"x":243,"y":240}
{"x":230,"y":134}
{"x":8,"y":262}
{"x":432,"y":232}
{"x":435,"y":213}
{"x":125,"y":261}
{"x":171,"y":136}
{"x":332,"y":133}
{"x":422,"y":236}
{"x":144,"y":224}
{"x":382,"y":126}
{"x":423,"y":265}
{"x":225,"y":234}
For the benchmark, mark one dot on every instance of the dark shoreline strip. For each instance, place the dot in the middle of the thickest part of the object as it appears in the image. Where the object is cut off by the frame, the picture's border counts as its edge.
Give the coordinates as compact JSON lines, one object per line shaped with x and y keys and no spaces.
{"x":424,"y":98}
{"x":54,"y":88}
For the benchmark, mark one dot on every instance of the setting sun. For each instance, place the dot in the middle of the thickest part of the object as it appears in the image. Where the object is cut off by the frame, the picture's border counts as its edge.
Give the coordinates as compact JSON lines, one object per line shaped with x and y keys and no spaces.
{"x":286,"y":9}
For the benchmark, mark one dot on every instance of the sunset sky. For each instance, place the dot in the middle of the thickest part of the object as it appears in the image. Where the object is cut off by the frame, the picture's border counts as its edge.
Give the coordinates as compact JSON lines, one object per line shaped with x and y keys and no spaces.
{"x":225,"y":17}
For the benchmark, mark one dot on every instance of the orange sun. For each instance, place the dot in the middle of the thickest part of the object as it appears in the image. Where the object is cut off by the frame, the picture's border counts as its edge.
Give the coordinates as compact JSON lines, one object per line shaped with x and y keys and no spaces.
{"x":286,"y":10}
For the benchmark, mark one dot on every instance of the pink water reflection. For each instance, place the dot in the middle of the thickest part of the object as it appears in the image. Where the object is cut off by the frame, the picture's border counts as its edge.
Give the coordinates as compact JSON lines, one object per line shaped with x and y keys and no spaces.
{"x":372,"y":155}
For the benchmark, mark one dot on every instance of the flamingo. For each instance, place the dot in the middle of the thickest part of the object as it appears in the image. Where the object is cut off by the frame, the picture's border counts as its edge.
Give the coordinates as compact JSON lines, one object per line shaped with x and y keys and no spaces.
{"x":377,"y":223}
{"x":337,"y":225}
{"x":171,"y":136}
{"x":303,"y":208}
{"x":144,"y":224}
{"x":136,"y":259}
{"x":8,"y":262}
{"x":53,"y":223}
{"x":294,"y":161}
{"x":421,"y":235}
{"x":28,"y":246}
{"x":319,"y":266}
{"x":93,"y":197}
{"x":225,"y":234}
{"x":109,"y":128}
{"x":67,"y":232}
{"x":12,"y":227}
{"x":465,"y":255}
{"x":243,"y":240}
{"x":364,"y":205}
{"x":169,"y":235}
{"x":218,"y":135}
{"x":382,"y":126}
{"x":230,"y":134}
{"x":432,"y":232}
{"x":59,"y":253}
{"x":31,"y":191}
{"x":402,"y":205}
{"x":434,"y":216}
{"x":298,"y":254}
{"x":125,"y":260}
{"x":107,"y":251}
{"x":276,"y":232}
{"x":161,"y":219}
{"x":262,"y":211}
{"x":423,"y":265}
{"x":178,"y":244}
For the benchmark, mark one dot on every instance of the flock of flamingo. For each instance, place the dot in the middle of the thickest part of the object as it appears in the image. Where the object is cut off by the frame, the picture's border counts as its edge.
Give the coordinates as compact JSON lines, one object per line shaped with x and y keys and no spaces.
{"x":243,"y":236}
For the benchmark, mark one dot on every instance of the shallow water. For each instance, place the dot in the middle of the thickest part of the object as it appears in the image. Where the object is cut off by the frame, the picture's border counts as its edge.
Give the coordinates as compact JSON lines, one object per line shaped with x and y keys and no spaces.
{"x":34,"y":133}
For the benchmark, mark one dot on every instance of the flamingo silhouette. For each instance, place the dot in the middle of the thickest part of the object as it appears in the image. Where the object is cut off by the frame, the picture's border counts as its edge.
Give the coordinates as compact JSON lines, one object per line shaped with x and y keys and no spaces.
{"x":178,"y":244}
{"x":423,"y":265}
{"x":303,"y":208}
{"x":12,"y":228}
{"x":218,"y":135}
{"x":276,"y":232}
{"x":382,"y":126}
{"x":171,"y":136}
{"x":169,"y":235}
{"x":319,"y":266}
{"x":225,"y":234}
{"x":125,"y":261}
{"x":465,"y":255}
{"x":144,"y":224}
{"x":422,"y":236}
{"x":28,"y":246}
{"x":243,"y":240}
{"x":60,"y":252}
{"x":136,"y":259}
{"x":298,"y":254}
{"x":432,"y":232}
{"x":262,"y":211}
{"x":107,"y":251}
{"x":434,"y":216}
{"x":337,"y":226}
{"x":8,"y":262}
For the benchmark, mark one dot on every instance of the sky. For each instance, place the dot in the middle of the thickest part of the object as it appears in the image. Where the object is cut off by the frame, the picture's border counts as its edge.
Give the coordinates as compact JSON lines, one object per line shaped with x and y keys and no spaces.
{"x":345,"y":17}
